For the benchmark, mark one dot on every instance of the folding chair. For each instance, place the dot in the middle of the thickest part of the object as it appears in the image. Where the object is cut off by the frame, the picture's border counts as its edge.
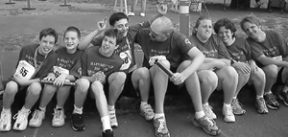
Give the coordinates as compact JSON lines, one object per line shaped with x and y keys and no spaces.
{"x":122,"y":3}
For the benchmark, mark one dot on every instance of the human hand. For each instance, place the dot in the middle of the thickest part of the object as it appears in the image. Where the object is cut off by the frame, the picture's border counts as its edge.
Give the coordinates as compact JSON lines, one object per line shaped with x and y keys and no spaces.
{"x":60,"y":80}
{"x":178,"y":78}
{"x":101,"y":25}
{"x":243,"y":67}
{"x":153,"y":59}
{"x":50,"y":77}
{"x":100,"y":76}
{"x":219,"y":64}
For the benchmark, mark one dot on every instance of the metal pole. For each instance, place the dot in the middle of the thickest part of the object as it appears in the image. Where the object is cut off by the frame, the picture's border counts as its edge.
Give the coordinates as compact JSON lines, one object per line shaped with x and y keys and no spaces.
{"x":28,"y":6}
{"x":10,"y":2}
{"x":65,"y":4}
{"x":184,"y":17}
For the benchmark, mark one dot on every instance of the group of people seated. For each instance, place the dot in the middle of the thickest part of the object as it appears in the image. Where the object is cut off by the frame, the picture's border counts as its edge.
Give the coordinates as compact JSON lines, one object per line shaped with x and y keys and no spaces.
{"x":102,"y":65}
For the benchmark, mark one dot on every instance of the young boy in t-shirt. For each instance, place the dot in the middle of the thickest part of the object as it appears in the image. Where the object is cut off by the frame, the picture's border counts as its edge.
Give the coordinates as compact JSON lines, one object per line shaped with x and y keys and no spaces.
{"x":63,"y":71}
{"x":34,"y":63}
{"x":99,"y":68}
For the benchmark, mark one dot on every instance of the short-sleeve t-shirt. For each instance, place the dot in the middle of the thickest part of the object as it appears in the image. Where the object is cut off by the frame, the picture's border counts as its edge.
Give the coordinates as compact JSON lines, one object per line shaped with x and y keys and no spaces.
{"x":93,"y":62}
{"x":174,"y":48}
{"x":213,"y":48}
{"x":70,"y":62}
{"x":126,"y":45}
{"x":274,"y":45}
{"x":43,"y":64}
{"x":240,"y":50}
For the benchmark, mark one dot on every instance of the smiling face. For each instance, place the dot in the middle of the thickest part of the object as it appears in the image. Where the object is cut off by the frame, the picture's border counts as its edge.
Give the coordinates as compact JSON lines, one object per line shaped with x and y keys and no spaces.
{"x":252,"y":30}
{"x":46,"y":44}
{"x":204,"y":30}
{"x":108,"y":46}
{"x":225,"y":34}
{"x":71,"y":40}
{"x":122,"y":26}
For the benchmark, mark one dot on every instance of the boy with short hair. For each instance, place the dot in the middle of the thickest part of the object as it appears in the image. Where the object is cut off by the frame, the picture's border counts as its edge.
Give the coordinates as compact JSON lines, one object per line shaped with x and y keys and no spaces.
{"x":99,"y":69}
{"x":34,"y":63}
{"x":63,"y":71}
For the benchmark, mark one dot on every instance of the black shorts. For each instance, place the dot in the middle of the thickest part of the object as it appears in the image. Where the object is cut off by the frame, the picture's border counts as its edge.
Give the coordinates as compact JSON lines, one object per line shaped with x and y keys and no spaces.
{"x":129,"y":89}
{"x":279,"y":77}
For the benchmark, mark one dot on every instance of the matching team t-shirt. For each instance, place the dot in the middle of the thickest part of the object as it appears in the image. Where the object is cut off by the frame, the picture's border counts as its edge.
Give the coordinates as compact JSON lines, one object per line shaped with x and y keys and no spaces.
{"x":213,"y":48}
{"x":240,"y":50}
{"x":273,"y":46}
{"x":93,"y":62}
{"x":126,"y":46}
{"x":41,"y":63}
{"x":174,"y":48}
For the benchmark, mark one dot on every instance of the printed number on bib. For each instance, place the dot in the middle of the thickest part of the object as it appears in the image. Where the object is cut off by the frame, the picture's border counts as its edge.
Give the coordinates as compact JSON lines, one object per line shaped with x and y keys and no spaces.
{"x":24,"y":70}
{"x":58,"y":71}
{"x":153,"y":59}
{"x":127,"y":60}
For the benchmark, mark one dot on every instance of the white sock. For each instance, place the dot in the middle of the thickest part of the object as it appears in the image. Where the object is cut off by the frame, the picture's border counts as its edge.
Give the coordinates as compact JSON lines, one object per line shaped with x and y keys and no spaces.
{"x":206,"y":104}
{"x":258,"y":97}
{"x":235,"y":97}
{"x":25,"y":109}
{"x":143,"y":103}
{"x":77,"y":110}
{"x":111,"y":107}
{"x":59,"y":108}
{"x":158,"y":115}
{"x":106,"y":123}
{"x":227,"y":105}
{"x":6,"y":110}
{"x":269,"y":92}
{"x":199,"y":114}
{"x":42,"y":109}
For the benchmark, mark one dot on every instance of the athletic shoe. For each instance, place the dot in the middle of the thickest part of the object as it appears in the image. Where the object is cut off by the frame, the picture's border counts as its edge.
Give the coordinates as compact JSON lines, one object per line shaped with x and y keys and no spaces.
{"x":108,"y":133}
{"x":131,"y":14}
{"x":147,"y":111}
{"x":261,"y":106}
{"x":36,"y":120}
{"x":142,"y":14}
{"x":271,"y":101}
{"x":160,"y":127}
{"x":58,"y":118}
{"x":21,"y":120}
{"x":228,"y":114}
{"x":77,"y":122}
{"x":208,"y":112}
{"x":236,"y":107}
{"x":113,"y":119}
{"x":5,"y":121}
{"x":284,"y":97}
{"x":207,"y":124}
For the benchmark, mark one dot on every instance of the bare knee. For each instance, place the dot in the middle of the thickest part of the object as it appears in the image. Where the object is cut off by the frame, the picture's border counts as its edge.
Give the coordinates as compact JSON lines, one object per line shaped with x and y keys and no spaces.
{"x":11,"y":87}
{"x":82,"y":85}
{"x":271,"y":72}
{"x":209,"y":78}
{"x":143,"y":73}
{"x":230,"y":73}
{"x":49,"y":89}
{"x":97,"y":88}
{"x":35,"y":88}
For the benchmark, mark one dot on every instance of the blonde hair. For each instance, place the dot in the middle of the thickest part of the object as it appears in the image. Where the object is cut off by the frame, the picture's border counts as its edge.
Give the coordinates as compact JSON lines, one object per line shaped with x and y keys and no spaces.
{"x":163,"y":24}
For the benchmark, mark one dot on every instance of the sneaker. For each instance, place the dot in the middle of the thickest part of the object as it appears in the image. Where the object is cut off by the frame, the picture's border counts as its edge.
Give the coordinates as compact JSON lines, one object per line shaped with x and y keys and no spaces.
{"x":228,"y":114}
{"x":108,"y":133}
{"x":261,"y":106}
{"x":147,"y":112}
{"x":58,"y":118}
{"x":36,"y":120}
{"x":113,"y":119}
{"x":271,"y":101}
{"x":208,"y":112}
{"x":77,"y":122}
{"x":236,"y":107}
{"x":5,"y":121}
{"x":131,"y":14}
{"x":284,"y":97}
{"x":21,"y":120}
{"x":160,"y":127}
{"x":142,"y":14}
{"x":208,"y":125}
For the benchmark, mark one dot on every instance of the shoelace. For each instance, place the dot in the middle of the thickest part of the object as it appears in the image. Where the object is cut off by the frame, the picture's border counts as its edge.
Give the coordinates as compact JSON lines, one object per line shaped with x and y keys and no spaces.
{"x":207,"y":121}
{"x":229,"y":111}
{"x":21,"y":115}
{"x":271,"y":98}
{"x":57,"y":114}
{"x":4,"y":117}
{"x":38,"y":114}
{"x":208,"y":109}
{"x":147,"y":108}
{"x":238,"y":104}
{"x":161,"y":125}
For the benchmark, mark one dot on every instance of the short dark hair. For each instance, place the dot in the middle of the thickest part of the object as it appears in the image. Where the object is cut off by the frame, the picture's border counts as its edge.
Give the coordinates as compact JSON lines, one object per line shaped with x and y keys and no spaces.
{"x":48,"y":32}
{"x":228,"y":24}
{"x":73,"y":29}
{"x":113,"y":33}
{"x":251,"y":19}
{"x":116,"y":17}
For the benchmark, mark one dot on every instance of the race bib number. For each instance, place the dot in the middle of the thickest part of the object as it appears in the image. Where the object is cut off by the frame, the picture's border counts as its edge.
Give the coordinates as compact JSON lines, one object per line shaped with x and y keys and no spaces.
{"x":153,"y":59}
{"x":58,"y":71}
{"x":24,"y":70}
{"x":127,"y":58}
{"x":277,"y":58}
